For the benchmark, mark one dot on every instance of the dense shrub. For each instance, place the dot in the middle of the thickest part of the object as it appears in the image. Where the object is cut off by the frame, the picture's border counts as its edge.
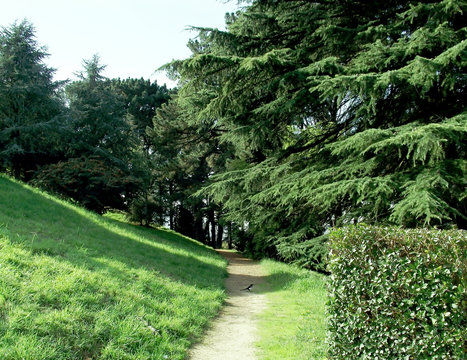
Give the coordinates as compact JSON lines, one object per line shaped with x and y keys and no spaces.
{"x":397,"y":294}
{"x":92,"y":182}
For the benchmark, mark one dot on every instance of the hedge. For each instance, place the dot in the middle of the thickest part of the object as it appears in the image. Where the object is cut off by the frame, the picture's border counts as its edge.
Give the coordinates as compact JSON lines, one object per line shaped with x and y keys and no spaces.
{"x":397,"y":293}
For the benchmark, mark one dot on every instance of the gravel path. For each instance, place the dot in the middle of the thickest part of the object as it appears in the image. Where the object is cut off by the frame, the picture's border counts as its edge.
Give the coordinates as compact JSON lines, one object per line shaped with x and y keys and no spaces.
{"x":232,"y":335}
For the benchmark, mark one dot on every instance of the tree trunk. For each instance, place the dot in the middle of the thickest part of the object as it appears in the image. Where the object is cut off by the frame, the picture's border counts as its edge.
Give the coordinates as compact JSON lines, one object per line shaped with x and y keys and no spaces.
{"x":220,"y":236}
{"x":146,"y":210}
{"x":16,"y":168}
{"x":161,"y":196}
{"x":207,"y":239}
{"x":212,"y":223}
{"x":171,"y":207}
{"x":199,"y":231}
{"x":230,"y":236}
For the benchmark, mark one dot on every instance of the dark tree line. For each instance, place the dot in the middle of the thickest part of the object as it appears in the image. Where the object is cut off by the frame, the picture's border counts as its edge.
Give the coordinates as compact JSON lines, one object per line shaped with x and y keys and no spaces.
{"x":80,"y":139}
{"x":104,"y":143}
{"x":301,"y":116}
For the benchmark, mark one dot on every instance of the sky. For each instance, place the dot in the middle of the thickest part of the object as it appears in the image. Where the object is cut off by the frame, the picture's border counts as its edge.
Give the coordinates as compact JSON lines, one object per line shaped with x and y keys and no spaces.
{"x":133,"y":37}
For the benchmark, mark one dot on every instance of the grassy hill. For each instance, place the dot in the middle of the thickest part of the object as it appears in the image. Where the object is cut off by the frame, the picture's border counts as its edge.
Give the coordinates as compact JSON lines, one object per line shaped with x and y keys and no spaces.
{"x":75,"y":285}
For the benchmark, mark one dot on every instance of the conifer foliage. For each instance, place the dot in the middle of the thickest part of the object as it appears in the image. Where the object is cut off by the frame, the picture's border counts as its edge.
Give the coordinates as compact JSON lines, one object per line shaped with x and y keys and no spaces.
{"x":29,"y":103}
{"x":301,"y":116}
{"x":96,"y":171}
{"x":338,"y":111}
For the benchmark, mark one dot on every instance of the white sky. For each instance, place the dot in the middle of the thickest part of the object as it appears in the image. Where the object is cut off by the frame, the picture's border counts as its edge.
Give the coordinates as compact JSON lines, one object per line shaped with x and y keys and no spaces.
{"x":132,"y":37}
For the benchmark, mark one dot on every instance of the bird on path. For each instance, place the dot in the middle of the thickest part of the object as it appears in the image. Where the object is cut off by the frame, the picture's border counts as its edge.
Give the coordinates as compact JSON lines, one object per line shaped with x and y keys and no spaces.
{"x":248,"y":287}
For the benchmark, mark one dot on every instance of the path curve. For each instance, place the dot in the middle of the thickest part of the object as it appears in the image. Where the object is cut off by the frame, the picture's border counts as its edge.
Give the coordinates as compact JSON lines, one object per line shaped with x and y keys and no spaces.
{"x":233,"y":333}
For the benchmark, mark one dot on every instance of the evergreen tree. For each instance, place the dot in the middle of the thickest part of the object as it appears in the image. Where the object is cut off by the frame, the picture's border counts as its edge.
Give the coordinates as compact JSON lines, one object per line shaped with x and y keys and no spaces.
{"x":98,"y":112}
{"x":29,"y":103}
{"x":339,"y":112}
{"x":97,"y":172}
{"x":187,"y":154}
{"x":141,"y":98}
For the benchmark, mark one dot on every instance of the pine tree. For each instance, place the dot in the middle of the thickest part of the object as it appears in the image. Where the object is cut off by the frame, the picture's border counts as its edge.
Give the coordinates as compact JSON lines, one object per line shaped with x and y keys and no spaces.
{"x":29,"y":103}
{"x":141,"y":99}
{"x":97,"y":169}
{"x":186,"y":155}
{"x":98,"y":115}
{"x":339,"y":112}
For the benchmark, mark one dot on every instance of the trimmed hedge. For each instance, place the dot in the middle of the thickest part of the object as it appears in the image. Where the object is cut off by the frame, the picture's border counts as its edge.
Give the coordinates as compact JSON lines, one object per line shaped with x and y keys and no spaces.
{"x":397,"y":293}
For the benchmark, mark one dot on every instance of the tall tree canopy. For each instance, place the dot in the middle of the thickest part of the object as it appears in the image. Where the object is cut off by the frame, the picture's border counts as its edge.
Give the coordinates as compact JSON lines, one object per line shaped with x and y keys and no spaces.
{"x":141,"y":99}
{"x":300,"y":116}
{"x":339,"y":111}
{"x":29,"y":103}
{"x":96,"y":171}
{"x":186,"y":155}
{"x":98,"y":115}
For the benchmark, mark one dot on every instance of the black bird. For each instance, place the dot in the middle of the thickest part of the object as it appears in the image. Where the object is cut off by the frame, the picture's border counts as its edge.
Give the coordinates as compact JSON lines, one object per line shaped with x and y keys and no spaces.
{"x":248,"y":287}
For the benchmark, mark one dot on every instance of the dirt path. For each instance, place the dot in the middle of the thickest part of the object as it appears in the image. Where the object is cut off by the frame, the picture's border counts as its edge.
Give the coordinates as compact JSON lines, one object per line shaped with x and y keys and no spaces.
{"x":233,"y":333}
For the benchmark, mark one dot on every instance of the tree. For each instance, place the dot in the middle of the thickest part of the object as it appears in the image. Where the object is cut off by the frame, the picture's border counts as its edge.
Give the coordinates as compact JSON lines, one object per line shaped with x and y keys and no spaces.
{"x":141,"y":98}
{"x":30,"y":105}
{"x":98,"y":115}
{"x":338,"y":112}
{"x":186,"y":155}
{"x":179,"y":168}
{"x":99,"y":149}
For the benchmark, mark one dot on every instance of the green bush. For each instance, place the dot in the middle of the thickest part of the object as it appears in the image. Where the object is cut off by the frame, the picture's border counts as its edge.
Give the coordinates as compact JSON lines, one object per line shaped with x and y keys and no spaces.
{"x":397,"y":294}
{"x":93,"y":182}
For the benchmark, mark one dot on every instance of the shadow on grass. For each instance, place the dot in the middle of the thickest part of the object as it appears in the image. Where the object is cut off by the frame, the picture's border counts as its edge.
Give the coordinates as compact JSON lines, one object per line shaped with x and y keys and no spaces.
{"x":83,"y":239}
{"x":280,"y":280}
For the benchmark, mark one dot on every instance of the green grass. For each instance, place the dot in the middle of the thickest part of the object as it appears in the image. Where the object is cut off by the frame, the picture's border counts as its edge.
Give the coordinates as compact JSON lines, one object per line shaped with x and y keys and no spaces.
{"x":294,"y":324}
{"x":75,"y":285}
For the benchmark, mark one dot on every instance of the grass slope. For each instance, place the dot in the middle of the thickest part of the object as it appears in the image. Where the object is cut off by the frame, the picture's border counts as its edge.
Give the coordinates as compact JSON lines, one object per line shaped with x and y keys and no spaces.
{"x":74,"y":285}
{"x":294,"y":325}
